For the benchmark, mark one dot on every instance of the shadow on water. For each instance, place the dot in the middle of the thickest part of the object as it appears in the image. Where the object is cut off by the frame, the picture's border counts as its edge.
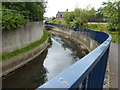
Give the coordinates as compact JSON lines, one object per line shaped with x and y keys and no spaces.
{"x":59,"y":56}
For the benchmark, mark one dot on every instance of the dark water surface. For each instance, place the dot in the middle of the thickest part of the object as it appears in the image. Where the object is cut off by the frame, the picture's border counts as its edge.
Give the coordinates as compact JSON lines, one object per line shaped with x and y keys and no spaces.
{"x":59,"y":56}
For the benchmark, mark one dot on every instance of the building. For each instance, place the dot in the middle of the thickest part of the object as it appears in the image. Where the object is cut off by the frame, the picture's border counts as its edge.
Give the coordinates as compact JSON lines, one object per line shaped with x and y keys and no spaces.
{"x":59,"y":15}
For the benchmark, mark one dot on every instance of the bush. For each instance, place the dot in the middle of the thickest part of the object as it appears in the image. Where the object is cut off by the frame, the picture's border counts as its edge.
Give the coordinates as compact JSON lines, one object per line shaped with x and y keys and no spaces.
{"x":14,"y":14}
{"x":12,"y":19}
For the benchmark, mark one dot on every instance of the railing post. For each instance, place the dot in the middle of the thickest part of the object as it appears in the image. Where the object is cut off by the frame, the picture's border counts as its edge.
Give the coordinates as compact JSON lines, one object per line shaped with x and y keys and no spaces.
{"x":84,"y":83}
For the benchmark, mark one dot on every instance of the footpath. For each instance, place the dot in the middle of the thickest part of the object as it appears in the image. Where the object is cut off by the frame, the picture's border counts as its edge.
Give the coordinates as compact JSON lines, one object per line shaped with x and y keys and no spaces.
{"x":114,"y":63}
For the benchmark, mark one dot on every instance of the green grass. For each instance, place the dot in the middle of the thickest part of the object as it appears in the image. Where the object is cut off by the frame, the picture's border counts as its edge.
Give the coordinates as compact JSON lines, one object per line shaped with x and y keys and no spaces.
{"x":27,"y":48}
{"x":103,"y":28}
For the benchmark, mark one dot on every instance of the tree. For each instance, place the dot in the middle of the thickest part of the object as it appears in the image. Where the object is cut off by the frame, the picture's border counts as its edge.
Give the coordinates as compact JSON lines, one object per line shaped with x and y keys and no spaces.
{"x":68,"y":17}
{"x":32,"y":9}
{"x":78,"y":17}
{"x":53,"y":18}
{"x":98,"y":13}
{"x":14,"y":14}
{"x":112,"y":9}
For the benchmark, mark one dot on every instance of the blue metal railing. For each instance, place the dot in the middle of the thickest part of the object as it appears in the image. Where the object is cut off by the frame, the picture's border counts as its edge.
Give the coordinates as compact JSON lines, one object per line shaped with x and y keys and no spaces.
{"x":89,"y":72}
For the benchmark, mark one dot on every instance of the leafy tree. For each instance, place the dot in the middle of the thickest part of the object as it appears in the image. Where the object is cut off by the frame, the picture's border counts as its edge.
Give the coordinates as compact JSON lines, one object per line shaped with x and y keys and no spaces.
{"x":12,"y":19}
{"x":14,"y":14}
{"x":112,"y":9}
{"x":53,"y":18}
{"x":31,"y":9}
{"x":98,"y":13}
{"x":69,"y":17}
{"x":35,"y":9}
{"x":78,"y":17}
{"x":14,"y":5}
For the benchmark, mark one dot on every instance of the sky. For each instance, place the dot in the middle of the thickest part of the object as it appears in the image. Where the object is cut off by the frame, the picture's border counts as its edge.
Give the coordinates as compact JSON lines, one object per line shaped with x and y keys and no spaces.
{"x":53,"y":6}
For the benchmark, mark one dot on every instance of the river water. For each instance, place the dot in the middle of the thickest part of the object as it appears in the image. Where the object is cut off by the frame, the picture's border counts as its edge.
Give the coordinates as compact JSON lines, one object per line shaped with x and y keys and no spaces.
{"x":60,"y":55}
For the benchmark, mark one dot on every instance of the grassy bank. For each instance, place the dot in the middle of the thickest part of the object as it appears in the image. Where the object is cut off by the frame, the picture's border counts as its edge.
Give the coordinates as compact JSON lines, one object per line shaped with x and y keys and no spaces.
{"x":27,"y":48}
{"x":103,"y":28}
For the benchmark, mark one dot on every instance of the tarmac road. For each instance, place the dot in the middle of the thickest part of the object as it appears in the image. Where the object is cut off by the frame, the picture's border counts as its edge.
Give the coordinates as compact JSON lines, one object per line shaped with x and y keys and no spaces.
{"x":114,"y":63}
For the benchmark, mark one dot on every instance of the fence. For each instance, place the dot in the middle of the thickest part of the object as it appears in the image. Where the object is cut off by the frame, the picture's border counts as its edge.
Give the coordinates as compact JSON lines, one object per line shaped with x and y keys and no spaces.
{"x":89,"y":72}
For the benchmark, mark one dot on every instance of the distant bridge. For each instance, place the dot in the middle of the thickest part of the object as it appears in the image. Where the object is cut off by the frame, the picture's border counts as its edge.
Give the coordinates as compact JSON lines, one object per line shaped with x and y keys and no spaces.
{"x":88,"y":72}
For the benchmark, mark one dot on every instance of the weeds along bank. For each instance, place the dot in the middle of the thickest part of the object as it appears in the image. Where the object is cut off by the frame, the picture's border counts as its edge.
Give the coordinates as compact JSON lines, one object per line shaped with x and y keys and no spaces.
{"x":104,"y":28}
{"x":22,"y":45}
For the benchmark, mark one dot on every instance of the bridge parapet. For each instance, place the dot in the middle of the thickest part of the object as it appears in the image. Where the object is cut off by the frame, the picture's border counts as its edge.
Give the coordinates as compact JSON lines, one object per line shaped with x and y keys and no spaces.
{"x":89,"y":72}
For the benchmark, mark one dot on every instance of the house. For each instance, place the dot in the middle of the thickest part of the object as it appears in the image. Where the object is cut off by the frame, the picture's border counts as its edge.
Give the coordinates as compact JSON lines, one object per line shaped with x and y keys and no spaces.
{"x":59,"y":15}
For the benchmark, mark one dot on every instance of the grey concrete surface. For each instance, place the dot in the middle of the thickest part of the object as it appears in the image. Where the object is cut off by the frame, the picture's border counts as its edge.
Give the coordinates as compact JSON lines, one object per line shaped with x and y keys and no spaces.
{"x":114,"y":63}
{"x":89,"y":43}
{"x":20,"y":60}
{"x":21,"y":37}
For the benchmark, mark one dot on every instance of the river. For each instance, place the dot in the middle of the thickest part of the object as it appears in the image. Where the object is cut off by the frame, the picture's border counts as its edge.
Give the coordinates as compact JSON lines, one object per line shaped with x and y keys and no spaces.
{"x":60,"y":55}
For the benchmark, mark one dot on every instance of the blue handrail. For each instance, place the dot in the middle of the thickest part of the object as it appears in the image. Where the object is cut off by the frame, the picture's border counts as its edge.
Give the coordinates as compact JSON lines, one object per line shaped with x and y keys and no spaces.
{"x":88,"y":72}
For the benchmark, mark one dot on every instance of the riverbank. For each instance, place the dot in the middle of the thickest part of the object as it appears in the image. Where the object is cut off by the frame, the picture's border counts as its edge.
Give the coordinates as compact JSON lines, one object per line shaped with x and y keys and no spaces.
{"x":23,"y":56}
{"x":77,"y":37}
{"x":61,"y":52}
{"x":79,"y":45}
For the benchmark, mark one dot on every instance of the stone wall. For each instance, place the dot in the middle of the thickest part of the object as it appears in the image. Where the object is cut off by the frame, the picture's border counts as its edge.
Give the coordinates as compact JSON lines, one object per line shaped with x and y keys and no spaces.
{"x":21,"y":37}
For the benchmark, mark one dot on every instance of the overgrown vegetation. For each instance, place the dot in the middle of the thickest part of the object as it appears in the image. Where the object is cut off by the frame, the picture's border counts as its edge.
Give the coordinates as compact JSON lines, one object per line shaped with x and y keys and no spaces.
{"x":112,"y":10}
{"x":12,"y":19}
{"x":27,"y":48}
{"x":61,"y":21}
{"x":14,"y":14}
{"x":104,"y":28}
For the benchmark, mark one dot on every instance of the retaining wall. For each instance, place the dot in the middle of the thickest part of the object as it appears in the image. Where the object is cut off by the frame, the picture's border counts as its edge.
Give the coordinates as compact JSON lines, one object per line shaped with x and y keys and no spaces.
{"x":22,"y":59}
{"x":89,"y":43}
{"x":21,"y":37}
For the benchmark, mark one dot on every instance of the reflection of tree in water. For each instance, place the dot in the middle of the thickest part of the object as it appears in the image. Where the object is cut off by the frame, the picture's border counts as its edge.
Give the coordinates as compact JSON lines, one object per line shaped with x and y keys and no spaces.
{"x":31,"y":75}
{"x":76,"y":49}
{"x":58,"y":40}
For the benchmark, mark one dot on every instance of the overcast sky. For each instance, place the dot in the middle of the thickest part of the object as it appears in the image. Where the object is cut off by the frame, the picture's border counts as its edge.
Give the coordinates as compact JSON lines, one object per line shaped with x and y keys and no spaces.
{"x":53,"y":6}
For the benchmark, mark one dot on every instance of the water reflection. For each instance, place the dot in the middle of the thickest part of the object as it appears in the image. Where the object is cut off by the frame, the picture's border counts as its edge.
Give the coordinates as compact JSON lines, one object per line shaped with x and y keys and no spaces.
{"x":62,"y":54}
{"x":58,"y":58}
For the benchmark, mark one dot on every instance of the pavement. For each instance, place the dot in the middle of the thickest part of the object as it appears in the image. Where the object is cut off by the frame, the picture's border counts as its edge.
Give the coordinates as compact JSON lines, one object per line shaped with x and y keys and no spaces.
{"x":114,"y":63}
